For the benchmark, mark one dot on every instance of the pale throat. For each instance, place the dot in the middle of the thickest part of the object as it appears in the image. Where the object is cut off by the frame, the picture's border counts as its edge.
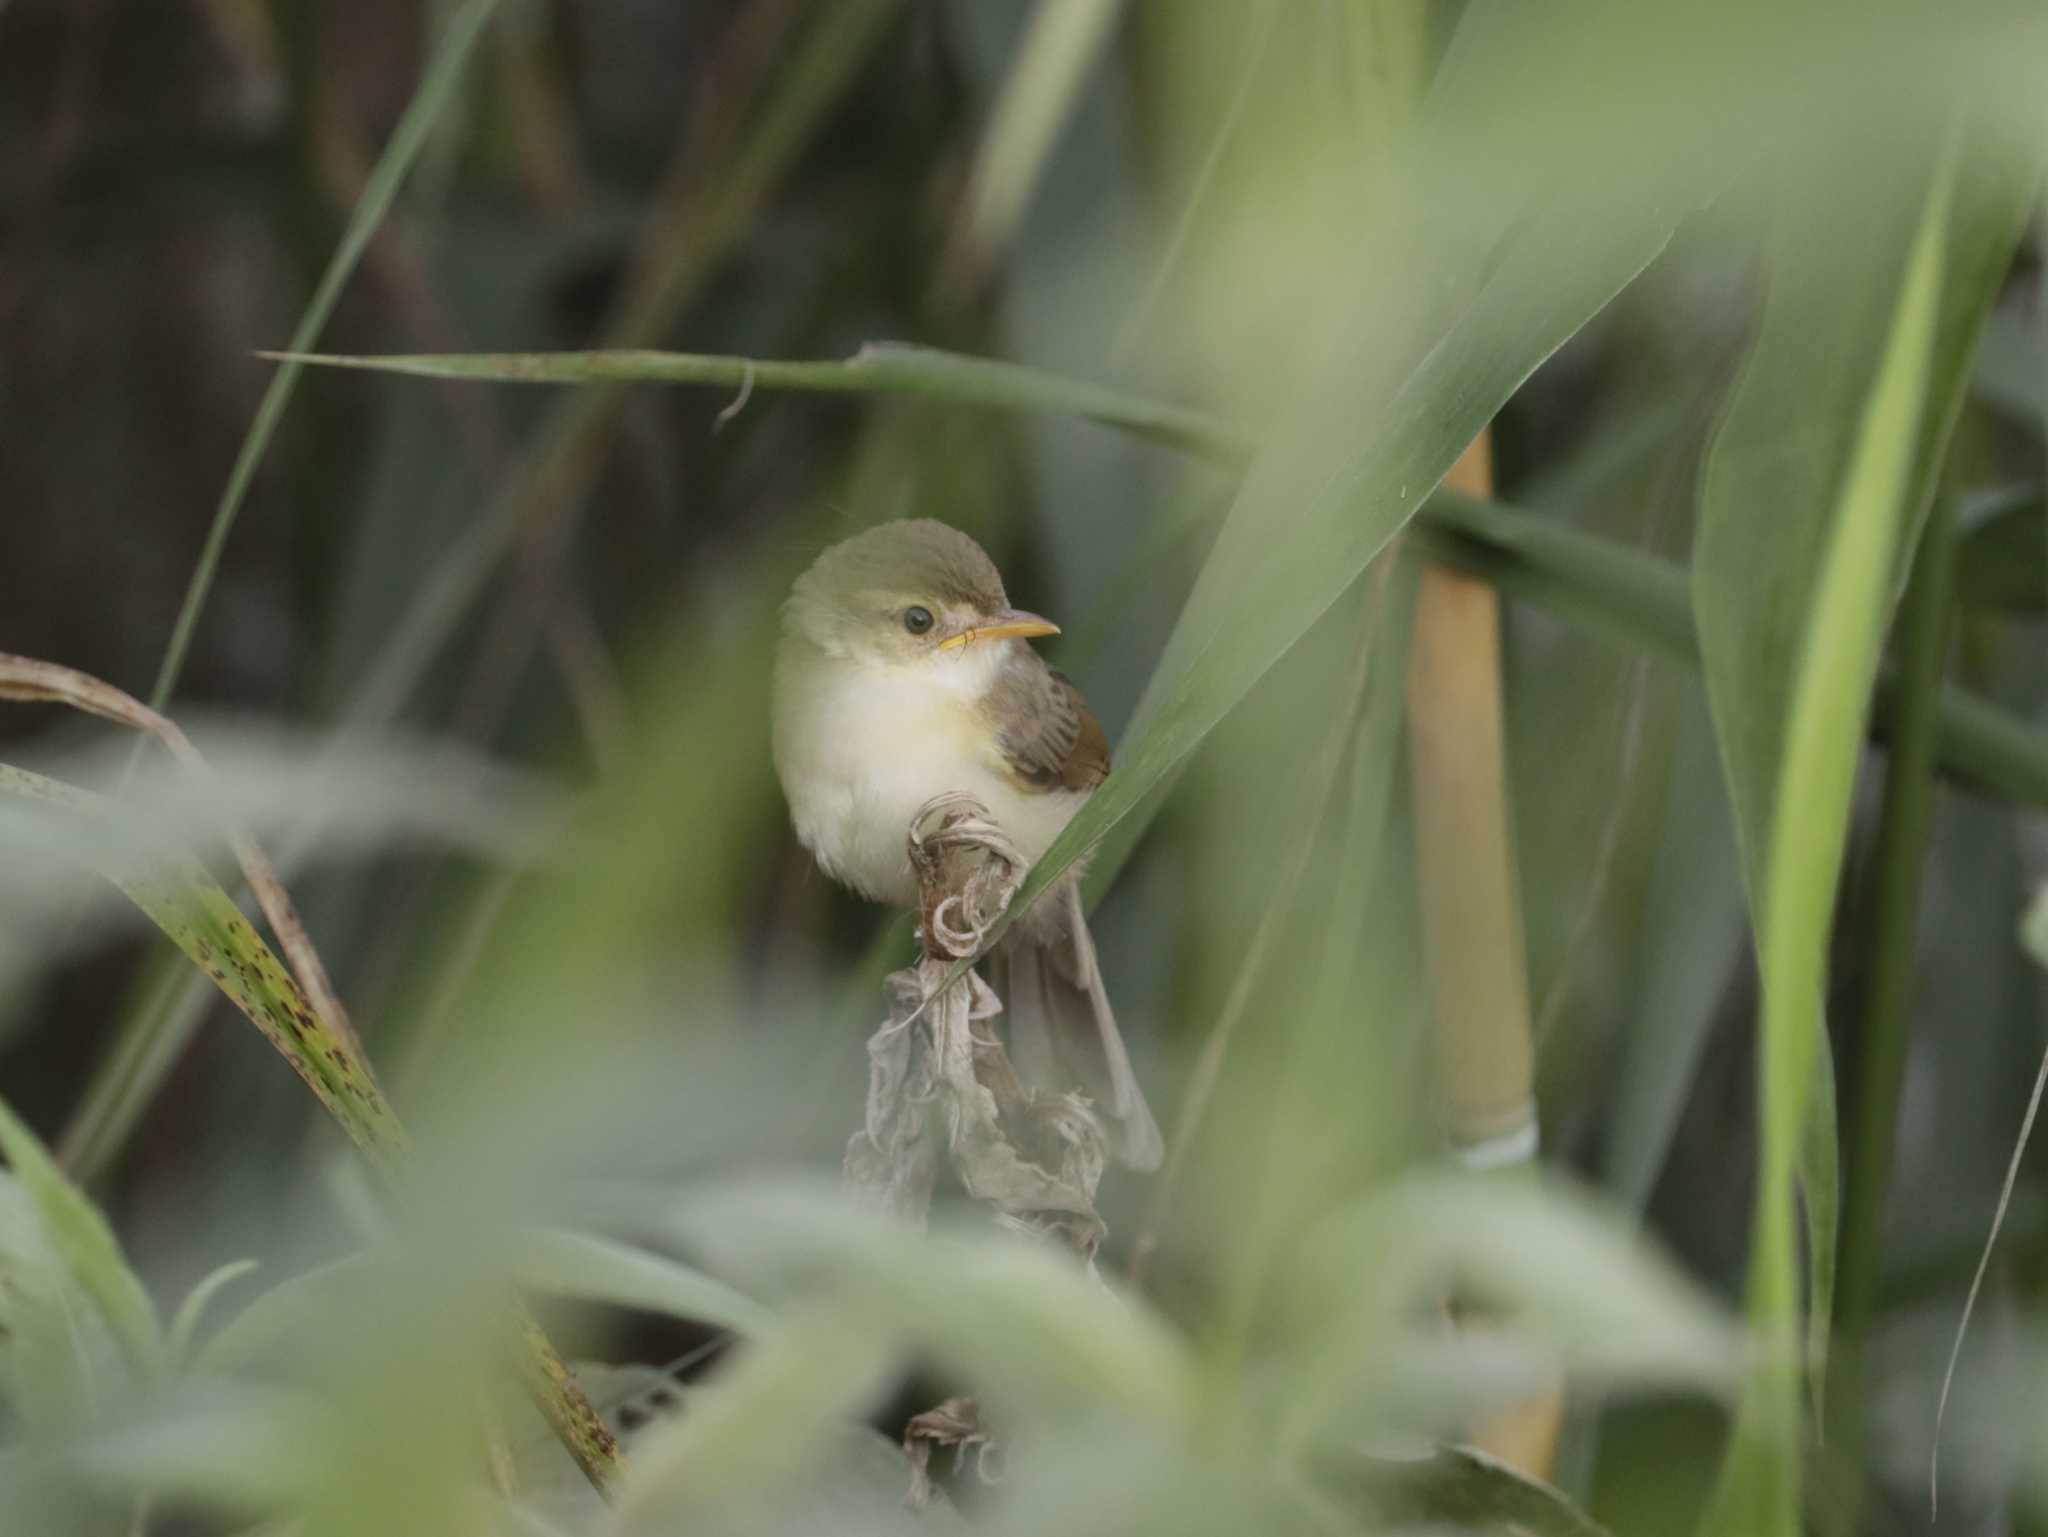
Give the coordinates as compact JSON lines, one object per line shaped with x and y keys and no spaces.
{"x":863,"y":744}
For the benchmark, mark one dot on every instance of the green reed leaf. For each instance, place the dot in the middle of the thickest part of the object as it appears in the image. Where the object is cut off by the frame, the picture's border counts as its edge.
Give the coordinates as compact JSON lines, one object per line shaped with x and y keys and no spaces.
{"x":78,"y":1235}
{"x":1792,"y":617}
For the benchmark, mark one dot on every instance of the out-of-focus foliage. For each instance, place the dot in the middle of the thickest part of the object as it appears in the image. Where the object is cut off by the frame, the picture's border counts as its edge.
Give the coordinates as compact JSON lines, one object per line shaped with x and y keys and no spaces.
{"x":1184,"y":312}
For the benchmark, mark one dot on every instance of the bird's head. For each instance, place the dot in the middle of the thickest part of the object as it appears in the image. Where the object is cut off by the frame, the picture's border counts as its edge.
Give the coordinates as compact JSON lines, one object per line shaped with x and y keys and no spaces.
{"x":909,"y":593}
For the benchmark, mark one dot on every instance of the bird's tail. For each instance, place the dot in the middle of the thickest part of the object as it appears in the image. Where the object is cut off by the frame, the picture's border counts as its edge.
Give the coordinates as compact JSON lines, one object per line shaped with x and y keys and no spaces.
{"x":1063,"y":1035}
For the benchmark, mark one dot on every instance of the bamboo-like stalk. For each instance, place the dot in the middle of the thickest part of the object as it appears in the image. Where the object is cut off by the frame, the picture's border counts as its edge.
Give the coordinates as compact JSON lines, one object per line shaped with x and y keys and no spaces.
{"x":1471,"y":913}
{"x":1472,"y":928}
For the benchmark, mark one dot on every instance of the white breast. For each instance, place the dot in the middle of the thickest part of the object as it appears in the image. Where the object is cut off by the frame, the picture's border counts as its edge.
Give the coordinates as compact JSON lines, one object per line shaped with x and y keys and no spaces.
{"x":861,"y":747}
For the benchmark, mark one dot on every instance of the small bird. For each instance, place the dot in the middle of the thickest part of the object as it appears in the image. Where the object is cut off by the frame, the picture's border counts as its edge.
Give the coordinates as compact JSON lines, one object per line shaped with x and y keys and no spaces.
{"x":903,"y":673}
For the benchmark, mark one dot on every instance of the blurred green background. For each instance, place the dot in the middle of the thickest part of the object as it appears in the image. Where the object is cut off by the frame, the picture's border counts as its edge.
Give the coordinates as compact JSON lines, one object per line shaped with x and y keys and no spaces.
{"x":484,"y":666}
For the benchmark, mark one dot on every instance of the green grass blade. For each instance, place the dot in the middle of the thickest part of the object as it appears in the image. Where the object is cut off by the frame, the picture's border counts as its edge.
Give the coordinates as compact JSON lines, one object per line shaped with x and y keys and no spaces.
{"x":877,"y":368}
{"x":289,"y":1312}
{"x":604,"y":1270}
{"x":1992,"y":202}
{"x":436,"y":89}
{"x":1754,"y":574}
{"x":1802,"y":708}
{"x":1788,"y":435}
{"x":179,"y":897}
{"x":80,"y":1237}
{"x":192,"y":1311}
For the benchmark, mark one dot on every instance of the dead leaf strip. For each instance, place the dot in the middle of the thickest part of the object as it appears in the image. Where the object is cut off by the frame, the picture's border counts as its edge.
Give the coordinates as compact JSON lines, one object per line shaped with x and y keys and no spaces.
{"x":956,"y":1423}
{"x":1036,"y":1159}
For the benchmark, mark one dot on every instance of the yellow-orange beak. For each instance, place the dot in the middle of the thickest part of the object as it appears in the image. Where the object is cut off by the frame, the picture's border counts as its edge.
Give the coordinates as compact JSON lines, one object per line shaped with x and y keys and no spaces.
{"x":1009,"y":621}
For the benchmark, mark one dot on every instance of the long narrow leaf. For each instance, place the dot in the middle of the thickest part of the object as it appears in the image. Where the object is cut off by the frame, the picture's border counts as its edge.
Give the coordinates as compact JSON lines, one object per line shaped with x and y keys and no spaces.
{"x":877,"y":368}
{"x":1831,"y":640}
{"x":1588,"y":579}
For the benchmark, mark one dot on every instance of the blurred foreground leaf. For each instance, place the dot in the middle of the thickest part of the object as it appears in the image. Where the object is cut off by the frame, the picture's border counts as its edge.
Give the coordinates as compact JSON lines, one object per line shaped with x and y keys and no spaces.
{"x":175,"y":892}
{"x":1018,"y":1317}
{"x":184,"y":1330}
{"x":88,"y":1269}
{"x":288,"y":1311}
{"x":745,"y":1445}
{"x":178,"y":896}
{"x":335,"y":797}
{"x":1585,"y":1296}
{"x":604,"y":1270}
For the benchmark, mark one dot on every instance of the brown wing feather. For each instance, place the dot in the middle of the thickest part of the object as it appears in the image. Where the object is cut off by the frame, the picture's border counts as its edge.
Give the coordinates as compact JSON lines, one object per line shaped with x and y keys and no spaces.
{"x":1050,"y":739}
{"x":1088,"y":764}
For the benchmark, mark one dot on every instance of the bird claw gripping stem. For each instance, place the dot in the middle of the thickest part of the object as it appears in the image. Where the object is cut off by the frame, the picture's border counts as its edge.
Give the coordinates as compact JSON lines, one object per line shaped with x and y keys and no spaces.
{"x":967,"y":872}
{"x":938,"y":1061}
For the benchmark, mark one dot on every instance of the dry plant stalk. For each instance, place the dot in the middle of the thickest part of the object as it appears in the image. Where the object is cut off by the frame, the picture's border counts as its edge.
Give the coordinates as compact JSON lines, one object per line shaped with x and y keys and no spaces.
{"x":1471,"y":915}
{"x":1035,"y":1158}
{"x":955,"y":1423}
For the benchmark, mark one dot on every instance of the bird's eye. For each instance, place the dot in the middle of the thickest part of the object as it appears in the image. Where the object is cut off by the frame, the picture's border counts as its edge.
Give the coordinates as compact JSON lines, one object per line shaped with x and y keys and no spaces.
{"x":917,"y":619}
